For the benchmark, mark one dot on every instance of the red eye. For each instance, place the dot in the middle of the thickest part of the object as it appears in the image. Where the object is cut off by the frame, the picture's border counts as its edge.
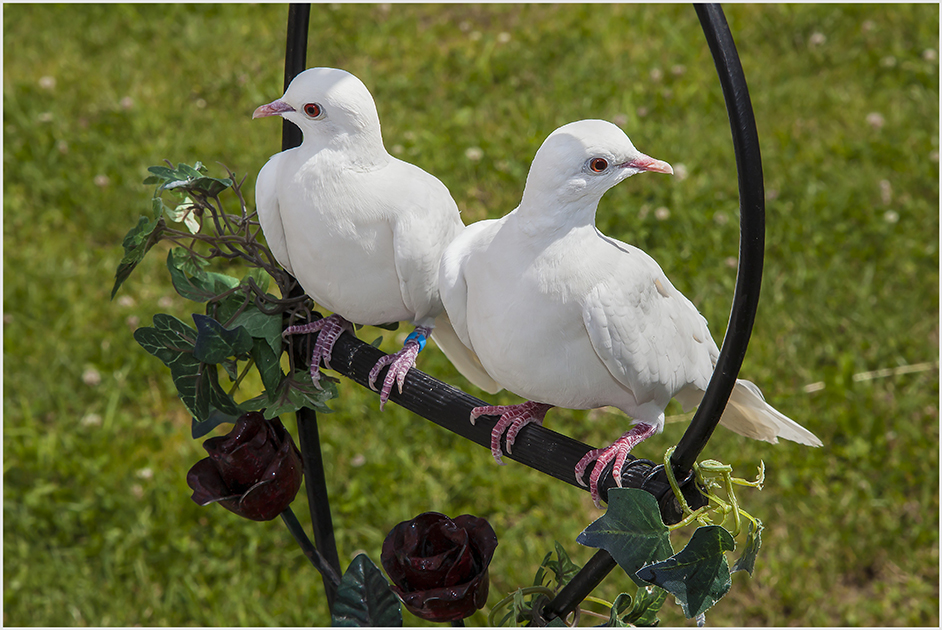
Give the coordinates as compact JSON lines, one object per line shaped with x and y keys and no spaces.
{"x":312,"y":109}
{"x":598,"y":164}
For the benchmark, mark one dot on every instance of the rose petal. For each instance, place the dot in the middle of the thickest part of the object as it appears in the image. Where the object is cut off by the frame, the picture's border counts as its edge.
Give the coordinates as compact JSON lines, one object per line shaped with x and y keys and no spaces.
{"x":275,"y":492}
{"x":207,"y":484}
{"x":448,"y":603}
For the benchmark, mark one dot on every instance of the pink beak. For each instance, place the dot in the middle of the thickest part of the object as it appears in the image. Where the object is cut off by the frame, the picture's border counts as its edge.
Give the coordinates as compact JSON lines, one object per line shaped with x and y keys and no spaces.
{"x":275,"y":108}
{"x":645,"y":163}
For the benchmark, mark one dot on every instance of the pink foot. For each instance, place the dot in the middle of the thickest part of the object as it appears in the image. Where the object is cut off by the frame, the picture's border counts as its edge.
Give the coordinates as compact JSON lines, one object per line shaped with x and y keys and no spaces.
{"x":618,"y":451}
{"x":402,"y":362}
{"x":513,"y":416}
{"x":330,"y":329}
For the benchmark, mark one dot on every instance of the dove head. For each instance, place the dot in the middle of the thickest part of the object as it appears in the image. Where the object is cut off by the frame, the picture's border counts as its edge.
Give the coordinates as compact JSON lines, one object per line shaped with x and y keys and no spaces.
{"x":329,"y":106}
{"x":579,"y":162}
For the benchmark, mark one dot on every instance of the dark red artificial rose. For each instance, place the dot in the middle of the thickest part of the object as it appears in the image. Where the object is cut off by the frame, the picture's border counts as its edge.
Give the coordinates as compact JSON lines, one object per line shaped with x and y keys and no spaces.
{"x":254,"y":470}
{"x":438,"y":566}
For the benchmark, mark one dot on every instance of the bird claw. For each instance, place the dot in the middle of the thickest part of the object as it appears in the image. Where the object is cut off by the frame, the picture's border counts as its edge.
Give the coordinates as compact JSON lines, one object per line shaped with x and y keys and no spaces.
{"x":329,"y":330}
{"x":512,"y":419}
{"x":618,"y":451}
{"x":402,"y":362}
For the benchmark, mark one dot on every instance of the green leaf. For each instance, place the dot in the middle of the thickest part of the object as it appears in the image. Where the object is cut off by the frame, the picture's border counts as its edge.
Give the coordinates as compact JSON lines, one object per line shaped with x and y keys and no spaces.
{"x":186,"y":213}
{"x":136,"y":244}
{"x":298,"y":391}
{"x":266,"y":361}
{"x":194,"y":283}
{"x":364,"y":598}
{"x":262,"y":326}
{"x":698,"y":575}
{"x":619,"y":607}
{"x":747,"y":561}
{"x":216,"y":417}
{"x":173,"y":342}
{"x":631,"y":530}
{"x":647,"y":602}
{"x":260,"y":276}
{"x":187,"y":178}
{"x":563,"y":567}
{"x":214,"y":343}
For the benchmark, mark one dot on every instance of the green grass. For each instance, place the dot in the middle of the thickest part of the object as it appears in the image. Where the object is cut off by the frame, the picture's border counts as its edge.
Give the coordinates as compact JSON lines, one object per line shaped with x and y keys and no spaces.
{"x":98,"y":525}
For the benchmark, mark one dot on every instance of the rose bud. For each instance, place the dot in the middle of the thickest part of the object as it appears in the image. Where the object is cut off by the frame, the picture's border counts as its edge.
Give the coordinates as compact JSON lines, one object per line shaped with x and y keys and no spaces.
{"x":254,"y":470}
{"x":438,"y":566}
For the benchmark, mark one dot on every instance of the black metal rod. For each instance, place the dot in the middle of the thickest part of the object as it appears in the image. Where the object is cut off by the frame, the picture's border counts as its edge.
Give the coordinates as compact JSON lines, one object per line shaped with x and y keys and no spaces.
{"x":581,"y":584}
{"x":295,"y":61}
{"x":309,"y":441}
{"x":751,"y":237}
{"x":536,"y":446}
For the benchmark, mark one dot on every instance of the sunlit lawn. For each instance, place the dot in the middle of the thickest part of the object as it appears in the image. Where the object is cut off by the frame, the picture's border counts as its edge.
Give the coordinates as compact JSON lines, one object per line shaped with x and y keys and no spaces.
{"x":98,"y":525}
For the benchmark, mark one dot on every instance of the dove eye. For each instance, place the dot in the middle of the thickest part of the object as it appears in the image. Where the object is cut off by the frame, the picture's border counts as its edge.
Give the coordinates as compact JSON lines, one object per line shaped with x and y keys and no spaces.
{"x":598,"y":164}
{"x":313,"y":110}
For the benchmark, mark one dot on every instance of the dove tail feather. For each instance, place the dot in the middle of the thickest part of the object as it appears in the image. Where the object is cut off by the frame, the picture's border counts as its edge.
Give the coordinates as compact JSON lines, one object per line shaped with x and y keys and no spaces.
{"x":461,"y":356}
{"x":748,"y":414}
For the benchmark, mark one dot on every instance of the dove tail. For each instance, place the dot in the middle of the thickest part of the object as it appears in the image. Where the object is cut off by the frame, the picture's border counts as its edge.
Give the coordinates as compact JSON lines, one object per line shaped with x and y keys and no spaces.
{"x":461,"y":356}
{"x":748,"y":414}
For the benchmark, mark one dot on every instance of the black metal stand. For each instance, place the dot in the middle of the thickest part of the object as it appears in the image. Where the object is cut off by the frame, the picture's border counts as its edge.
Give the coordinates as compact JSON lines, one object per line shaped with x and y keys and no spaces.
{"x":308,"y":438}
{"x":536,"y":446}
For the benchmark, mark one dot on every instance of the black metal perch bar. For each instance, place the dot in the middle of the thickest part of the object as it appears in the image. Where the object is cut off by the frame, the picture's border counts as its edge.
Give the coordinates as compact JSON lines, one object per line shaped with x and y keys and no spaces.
{"x":536,"y":446}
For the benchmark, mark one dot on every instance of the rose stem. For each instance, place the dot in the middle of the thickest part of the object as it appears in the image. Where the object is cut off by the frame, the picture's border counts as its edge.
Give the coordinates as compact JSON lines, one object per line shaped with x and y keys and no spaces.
{"x":294,"y":526}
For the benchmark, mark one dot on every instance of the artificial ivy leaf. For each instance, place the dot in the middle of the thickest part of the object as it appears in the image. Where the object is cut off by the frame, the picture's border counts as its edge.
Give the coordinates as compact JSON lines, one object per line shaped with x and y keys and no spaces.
{"x":266,"y":361}
{"x":186,"y":177}
{"x":697,"y":575}
{"x":163,"y":172}
{"x":262,"y":326}
{"x":194,"y":283}
{"x":364,"y":598}
{"x":298,"y":391}
{"x":173,"y":342}
{"x":648,"y":601}
{"x":563,"y":567}
{"x":619,"y":607}
{"x":185,"y":213}
{"x":747,"y":561}
{"x":261,"y":278}
{"x":136,"y":244}
{"x":631,"y":530}
{"x":541,"y":570}
{"x":199,"y":429}
{"x":214,"y":343}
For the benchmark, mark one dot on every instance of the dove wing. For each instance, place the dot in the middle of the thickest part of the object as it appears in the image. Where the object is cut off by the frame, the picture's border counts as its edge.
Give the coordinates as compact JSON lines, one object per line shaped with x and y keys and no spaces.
{"x":650,"y":337}
{"x":269,"y":213}
{"x":421,"y":232}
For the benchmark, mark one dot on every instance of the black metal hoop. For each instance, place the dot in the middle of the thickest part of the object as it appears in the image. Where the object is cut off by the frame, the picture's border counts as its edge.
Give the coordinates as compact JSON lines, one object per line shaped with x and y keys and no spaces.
{"x":739,"y":328}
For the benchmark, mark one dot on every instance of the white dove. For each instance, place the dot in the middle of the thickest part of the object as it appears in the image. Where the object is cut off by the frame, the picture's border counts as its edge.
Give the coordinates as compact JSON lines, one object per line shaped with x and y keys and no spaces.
{"x":362,"y":231}
{"x":565,"y":316}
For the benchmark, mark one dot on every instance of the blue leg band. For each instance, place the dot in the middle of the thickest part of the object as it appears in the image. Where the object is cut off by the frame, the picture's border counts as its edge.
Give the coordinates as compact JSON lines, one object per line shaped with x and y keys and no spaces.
{"x":417,"y":337}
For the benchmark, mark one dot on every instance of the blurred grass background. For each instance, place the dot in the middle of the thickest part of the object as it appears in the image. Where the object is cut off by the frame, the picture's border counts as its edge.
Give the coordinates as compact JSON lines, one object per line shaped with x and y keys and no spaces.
{"x":98,"y":525}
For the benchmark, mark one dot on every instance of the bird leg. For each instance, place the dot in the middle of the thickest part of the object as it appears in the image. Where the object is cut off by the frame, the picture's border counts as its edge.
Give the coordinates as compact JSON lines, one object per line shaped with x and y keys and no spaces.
{"x":402,"y":362}
{"x":618,"y":451}
{"x":513,"y":416}
{"x":330,"y":329}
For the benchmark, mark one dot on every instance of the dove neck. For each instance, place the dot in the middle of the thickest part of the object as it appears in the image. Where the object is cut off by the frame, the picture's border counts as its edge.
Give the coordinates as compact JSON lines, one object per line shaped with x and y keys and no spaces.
{"x":542,"y":212}
{"x":362,"y":151}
